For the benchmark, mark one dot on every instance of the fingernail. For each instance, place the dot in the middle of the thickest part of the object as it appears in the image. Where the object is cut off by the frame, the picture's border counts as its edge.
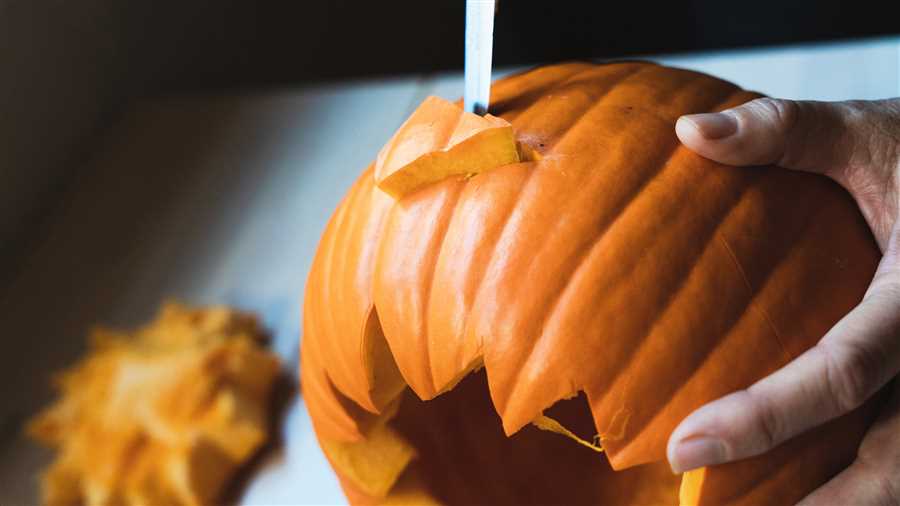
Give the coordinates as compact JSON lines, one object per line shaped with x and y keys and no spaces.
{"x":697,"y":452}
{"x":713,"y":126}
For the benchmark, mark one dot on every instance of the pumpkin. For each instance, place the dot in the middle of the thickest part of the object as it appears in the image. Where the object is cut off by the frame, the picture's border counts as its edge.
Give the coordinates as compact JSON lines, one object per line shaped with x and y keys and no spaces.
{"x":603,"y":287}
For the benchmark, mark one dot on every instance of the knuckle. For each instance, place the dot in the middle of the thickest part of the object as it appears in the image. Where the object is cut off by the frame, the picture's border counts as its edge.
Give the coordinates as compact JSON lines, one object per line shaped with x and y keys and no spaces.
{"x":784,"y":113}
{"x":852,"y":374}
{"x":767,"y":423}
{"x":887,"y":490}
{"x":774,"y":122}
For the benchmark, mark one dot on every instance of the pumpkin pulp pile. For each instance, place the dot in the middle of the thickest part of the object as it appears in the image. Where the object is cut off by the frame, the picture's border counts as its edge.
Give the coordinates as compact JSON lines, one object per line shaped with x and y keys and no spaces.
{"x":164,"y":415}
{"x":579,"y":270}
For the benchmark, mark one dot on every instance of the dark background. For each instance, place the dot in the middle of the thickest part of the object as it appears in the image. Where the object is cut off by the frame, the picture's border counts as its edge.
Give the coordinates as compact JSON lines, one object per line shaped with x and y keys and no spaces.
{"x":68,"y":68}
{"x":229,"y":43}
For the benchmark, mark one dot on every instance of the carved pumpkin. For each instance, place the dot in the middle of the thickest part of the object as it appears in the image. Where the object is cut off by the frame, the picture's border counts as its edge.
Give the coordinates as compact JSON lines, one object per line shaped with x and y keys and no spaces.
{"x":610,"y":284}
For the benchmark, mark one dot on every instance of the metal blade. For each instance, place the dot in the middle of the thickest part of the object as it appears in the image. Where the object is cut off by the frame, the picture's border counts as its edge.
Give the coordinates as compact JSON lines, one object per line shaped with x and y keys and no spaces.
{"x":479,"y":50}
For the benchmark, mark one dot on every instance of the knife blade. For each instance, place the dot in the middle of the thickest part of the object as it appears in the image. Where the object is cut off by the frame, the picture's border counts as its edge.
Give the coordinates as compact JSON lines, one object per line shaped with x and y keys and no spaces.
{"x":479,"y":52}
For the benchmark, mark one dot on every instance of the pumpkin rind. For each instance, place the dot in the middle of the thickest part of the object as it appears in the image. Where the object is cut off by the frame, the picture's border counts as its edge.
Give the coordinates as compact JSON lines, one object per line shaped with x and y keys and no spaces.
{"x":618,"y":264}
{"x":441,"y":140}
{"x":342,"y":274}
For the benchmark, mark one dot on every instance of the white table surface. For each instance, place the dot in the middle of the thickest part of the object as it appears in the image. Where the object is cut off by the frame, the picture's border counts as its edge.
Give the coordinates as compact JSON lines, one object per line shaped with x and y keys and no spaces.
{"x":216,"y":199}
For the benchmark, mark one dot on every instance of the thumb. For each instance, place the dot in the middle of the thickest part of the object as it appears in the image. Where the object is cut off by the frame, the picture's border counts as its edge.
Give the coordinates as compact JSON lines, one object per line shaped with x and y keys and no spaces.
{"x":810,"y":136}
{"x":856,"y":143}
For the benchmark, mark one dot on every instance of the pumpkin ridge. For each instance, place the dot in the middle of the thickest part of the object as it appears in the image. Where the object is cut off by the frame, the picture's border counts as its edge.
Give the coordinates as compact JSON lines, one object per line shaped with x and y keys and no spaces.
{"x":705,"y":185}
{"x":762,"y":312}
{"x":379,"y":207}
{"x":589,"y":243}
{"x":313,"y":374}
{"x":404,"y":266}
{"x":327,"y":317}
{"x":344,"y":362}
{"x":597,"y":102}
{"x":516,"y":202}
{"x":461,"y":344}
{"x":540,"y":92}
{"x":523,"y":120}
{"x":314,"y":314}
{"x":654,"y":161}
{"x":608,"y":222}
{"x":674,"y":295}
{"x":622,"y":208}
{"x":333,"y":352}
{"x":690,"y":92}
{"x":727,"y":334}
{"x":809,"y":224}
{"x":328,"y":288}
{"x":717,"y":101}
{"x":445,"y":219}
{"x":342,"y":358}
{"x":806,"y":229}
{"x":667,"y":97}
{"x":642,"y":428}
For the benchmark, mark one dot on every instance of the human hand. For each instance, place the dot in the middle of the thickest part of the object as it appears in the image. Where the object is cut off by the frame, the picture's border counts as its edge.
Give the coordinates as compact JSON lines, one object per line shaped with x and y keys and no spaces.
{"x":856,"y":144}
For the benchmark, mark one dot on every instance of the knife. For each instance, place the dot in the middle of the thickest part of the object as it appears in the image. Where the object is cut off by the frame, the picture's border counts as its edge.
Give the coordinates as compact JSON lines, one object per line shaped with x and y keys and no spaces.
{"x":479,"y":50}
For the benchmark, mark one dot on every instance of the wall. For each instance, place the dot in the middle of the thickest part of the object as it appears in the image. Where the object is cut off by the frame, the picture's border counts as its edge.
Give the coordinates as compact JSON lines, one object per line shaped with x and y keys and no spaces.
{"x":67,"y":66}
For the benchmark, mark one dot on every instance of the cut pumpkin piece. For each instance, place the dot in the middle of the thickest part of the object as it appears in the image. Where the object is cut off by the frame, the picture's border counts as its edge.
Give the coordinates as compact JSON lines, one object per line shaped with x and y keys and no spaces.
{"x":375,"y":464}
{"x":441,"y":140}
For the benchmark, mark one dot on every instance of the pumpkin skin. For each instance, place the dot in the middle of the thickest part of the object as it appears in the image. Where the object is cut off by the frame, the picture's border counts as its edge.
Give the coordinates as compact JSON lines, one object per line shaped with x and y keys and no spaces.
{"x":441,"y":140}
{"x":618,"y":265}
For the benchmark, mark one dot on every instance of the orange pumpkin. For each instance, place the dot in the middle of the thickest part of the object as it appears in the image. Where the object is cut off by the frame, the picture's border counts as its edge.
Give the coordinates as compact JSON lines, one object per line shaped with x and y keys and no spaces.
{"x":611,"y":284}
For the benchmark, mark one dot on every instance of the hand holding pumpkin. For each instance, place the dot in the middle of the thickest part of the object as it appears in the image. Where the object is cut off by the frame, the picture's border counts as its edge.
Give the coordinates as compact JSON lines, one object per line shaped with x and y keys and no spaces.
{"x":858,"y":145}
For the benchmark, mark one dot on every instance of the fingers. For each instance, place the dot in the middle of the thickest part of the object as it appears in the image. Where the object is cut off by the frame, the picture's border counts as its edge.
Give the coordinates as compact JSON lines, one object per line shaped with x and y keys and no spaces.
{"x":856,"y":143}
{"x":811,"y":136}
{"x":856,"y":358}
{"x":874,"y":478}
{"x":858,"y":484}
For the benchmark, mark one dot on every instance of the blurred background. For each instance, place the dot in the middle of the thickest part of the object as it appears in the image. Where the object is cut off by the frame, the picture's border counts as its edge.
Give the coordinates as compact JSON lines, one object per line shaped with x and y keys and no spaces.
{"x":196,"y":148}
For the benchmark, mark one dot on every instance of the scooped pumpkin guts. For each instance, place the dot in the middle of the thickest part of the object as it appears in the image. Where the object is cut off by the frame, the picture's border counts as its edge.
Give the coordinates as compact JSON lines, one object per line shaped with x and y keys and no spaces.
{"x":167,"y":414}
{"x":441,"y":140}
